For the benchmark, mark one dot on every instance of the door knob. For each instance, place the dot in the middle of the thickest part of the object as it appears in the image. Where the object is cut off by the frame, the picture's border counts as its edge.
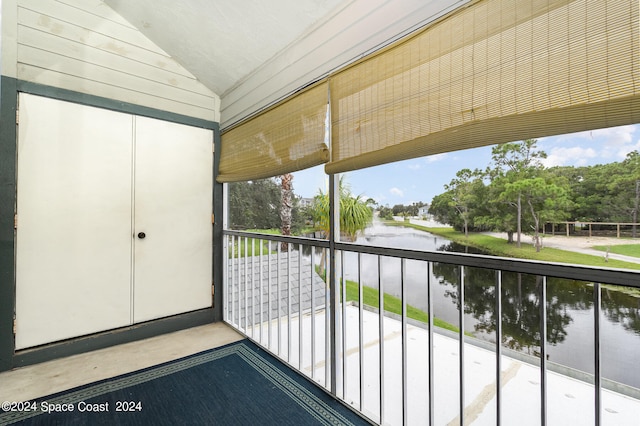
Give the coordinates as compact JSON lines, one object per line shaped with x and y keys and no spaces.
{"x":141,"y":235}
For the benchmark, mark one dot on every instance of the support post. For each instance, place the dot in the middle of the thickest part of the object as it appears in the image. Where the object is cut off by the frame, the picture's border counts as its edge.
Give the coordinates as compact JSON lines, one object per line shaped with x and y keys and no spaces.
{"x":220,"y":215}
{"x":8,"y":106}
{"x":334,"y":234}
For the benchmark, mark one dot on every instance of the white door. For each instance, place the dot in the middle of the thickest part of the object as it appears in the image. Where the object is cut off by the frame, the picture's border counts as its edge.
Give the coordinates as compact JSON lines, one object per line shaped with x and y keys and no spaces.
{"x":90,"y":182}
{"x":173,"y":206}
{"x":73,"y":248}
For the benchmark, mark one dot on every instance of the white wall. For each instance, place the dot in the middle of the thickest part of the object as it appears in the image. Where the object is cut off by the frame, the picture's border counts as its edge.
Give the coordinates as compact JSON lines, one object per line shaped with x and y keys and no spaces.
{"x":8,"y":38}
{"x":84,"y":46}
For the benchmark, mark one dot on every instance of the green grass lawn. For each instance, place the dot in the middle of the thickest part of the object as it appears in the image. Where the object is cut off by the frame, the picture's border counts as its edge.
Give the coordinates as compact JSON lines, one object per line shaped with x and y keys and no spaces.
{"x":271,"y":231}
{"x":393,"y":305}
{"x":632,"y":250}
{"x":238,"y":249}
{"x":500,"y":247}
{"x":265,"y":244}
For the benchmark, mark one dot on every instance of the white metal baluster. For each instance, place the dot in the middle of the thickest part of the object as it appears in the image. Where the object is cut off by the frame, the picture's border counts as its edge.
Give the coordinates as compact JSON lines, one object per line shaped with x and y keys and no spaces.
{"x":543,"y":352}
{"x":300,"y":353}
{"x":381,"y":338}
{"x":289,"y":302}
{"x":236,"y":267}
{"x":246,"y":294}
{"x":225,"y":279}
{"x":361,"y":331}
{"x":344,"y":326}
{"x":329,"y":364}
{"x":498,"y":319}
{"x":261,"y":290}
{"x":313,"y":317}
{"x":278,"y":299}
{"x":403,"y":301}
{"x":269,"y":285}
{"x":430,"y":348}
{"x":253,"y":288}
{"x":597,"y":306}
{"x":461,"y":319}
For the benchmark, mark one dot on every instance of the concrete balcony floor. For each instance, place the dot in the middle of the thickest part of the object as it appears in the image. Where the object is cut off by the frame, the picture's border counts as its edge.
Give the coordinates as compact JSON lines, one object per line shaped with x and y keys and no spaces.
{"x":569,"y":401}
{"x":33,"y":381}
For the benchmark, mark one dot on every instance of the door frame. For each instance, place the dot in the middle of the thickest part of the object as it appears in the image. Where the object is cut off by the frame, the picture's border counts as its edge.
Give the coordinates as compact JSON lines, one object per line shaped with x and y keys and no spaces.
{"x":9,"y":357}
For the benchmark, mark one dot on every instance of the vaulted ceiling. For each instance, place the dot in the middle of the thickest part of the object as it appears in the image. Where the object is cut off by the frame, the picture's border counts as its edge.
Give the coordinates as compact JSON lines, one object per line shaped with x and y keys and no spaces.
{"x":254,"y":52}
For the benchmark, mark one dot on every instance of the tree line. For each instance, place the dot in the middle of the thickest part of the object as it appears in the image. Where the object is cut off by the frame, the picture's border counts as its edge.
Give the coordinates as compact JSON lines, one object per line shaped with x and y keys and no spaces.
{"x":270,"y":204}
{"x":258,"y":205}
{"x":517,"y":194}
{"x":412,"y":209}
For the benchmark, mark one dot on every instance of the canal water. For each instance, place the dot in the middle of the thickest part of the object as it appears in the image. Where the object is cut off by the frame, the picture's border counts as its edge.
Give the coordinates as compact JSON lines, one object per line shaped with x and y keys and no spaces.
{"x":570,"y":314}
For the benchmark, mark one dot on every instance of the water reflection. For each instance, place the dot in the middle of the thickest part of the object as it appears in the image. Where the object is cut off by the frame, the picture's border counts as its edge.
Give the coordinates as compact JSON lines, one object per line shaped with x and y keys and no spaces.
{"x":569,"y":342}
{"x":569,"y":307}
{"x":569,"y":304}
{"x":520,"y":300}
{"x":621,"y":308}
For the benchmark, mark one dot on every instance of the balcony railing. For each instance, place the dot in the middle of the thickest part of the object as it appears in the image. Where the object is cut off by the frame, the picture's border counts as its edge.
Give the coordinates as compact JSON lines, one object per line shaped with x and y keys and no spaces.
{"x":369,"y":330}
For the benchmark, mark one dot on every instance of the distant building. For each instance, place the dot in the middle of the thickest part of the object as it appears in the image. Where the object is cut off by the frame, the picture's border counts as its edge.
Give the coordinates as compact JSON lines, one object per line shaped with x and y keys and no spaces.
{"x":423,"y":211}
{"x":305,"y":202}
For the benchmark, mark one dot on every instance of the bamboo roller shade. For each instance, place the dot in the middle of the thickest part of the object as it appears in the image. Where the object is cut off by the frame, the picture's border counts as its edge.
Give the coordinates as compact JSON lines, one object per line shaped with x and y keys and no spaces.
{"x":284,"y":139}
{"x":496,"y":71}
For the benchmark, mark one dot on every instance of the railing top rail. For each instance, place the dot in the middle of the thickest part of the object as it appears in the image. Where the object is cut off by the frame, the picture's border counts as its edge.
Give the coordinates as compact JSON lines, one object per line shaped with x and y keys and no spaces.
{"x":615,"y":276}
{"x":578,"y":222}
{"x":280,"y":238}
{"x":550,"y":269}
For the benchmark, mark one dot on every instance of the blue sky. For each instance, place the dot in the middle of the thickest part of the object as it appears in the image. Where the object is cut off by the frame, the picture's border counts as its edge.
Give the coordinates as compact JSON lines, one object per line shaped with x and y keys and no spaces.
{"x":422,"y":178}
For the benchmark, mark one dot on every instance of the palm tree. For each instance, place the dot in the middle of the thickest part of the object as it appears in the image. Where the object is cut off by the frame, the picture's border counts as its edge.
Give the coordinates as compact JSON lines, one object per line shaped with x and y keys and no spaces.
{"x":355,"y":212}
{"x":285,"y":206}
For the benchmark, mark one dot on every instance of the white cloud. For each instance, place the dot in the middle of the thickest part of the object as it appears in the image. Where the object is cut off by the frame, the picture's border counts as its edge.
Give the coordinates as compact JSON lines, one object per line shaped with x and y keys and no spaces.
{"x":614,"y":135}
{"x":396,"y":191}
{"x":617,"y":141}
{"x":575,"y":156}
{"x":590,"y":147}
{"x":436,"y":157}
{"x":414,"y":166}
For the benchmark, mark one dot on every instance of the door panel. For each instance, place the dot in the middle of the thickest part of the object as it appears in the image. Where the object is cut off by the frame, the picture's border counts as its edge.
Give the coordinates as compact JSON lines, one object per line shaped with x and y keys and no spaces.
{"x":73,"y":249}
{"x":173,"y":205}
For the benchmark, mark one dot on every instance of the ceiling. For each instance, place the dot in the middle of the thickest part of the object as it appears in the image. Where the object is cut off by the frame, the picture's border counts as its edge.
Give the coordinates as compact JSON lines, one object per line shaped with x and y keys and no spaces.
{"x":253,"y":52}
{"x":222,"y":41}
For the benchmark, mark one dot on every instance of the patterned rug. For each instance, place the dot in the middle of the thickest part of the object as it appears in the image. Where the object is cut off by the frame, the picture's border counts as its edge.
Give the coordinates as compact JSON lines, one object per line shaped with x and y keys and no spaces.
{"x":237,"y":384}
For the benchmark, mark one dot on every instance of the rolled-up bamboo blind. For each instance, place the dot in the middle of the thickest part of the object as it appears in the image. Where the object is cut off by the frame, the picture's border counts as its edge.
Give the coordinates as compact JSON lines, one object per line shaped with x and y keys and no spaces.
{"x":284,"y":139}
{"x":496,"y":71}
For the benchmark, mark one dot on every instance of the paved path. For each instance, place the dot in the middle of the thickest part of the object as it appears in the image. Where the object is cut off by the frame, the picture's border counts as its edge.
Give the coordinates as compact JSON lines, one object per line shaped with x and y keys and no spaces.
{"x":580,"y":244}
